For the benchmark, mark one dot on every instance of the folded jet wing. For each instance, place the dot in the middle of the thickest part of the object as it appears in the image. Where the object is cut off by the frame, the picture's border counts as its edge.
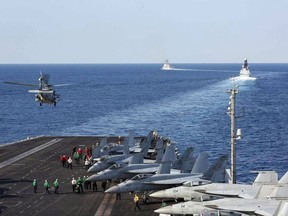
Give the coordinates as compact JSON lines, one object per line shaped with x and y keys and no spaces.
{"x":162,"y":181}
{"x":265,"y":185}
{"x":251,"y":207}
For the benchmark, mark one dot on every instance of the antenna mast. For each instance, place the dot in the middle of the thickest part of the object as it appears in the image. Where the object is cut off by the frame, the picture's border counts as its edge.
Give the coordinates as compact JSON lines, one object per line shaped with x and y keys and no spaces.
{"x":232,"y":113}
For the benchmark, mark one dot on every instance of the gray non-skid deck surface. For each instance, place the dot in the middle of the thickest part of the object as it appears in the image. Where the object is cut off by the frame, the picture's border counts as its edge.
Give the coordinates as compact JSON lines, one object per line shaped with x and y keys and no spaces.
{"x":40,"y":159}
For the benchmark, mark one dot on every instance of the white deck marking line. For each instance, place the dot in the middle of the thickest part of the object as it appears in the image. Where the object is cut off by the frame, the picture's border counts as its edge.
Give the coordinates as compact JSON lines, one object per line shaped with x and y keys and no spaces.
{"x":25,"y":154}
{"x":106,"y":205}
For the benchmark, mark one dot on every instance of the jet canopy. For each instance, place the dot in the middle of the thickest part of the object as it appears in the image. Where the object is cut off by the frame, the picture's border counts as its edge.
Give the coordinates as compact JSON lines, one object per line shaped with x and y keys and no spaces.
{"x":104,"y":157}
{"x":116,"y":166}
{"x":109,"y":147}
{"x":194,"y":183}
{"x":141,"y":176}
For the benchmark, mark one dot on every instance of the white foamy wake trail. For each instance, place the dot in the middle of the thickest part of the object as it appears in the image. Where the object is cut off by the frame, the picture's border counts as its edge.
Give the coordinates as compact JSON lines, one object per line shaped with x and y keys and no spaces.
{"x":195,"y":69}
{"x":179,"y":117}
{"x":241,"y":78}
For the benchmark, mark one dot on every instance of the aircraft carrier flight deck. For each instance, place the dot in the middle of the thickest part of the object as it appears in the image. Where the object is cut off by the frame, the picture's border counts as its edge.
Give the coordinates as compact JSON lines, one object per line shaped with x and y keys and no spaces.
{"x":39,"y":158}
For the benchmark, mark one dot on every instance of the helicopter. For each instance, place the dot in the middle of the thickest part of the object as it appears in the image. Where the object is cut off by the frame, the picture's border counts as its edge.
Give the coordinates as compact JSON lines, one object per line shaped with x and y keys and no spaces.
{"x":45,"y":93}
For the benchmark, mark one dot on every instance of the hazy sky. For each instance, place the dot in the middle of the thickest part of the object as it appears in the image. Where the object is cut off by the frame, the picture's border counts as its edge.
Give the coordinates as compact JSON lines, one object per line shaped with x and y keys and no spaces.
{"x":143,"y":31}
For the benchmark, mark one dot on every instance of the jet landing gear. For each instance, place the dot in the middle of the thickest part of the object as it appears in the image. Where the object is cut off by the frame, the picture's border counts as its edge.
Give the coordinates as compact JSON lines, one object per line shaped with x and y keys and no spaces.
{"x":145,"y":198}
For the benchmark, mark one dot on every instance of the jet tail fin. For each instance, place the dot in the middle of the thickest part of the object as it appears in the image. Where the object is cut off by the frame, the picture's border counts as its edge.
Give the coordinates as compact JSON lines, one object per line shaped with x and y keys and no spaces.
{"x":202,"y":163}
{"x":282,"y":209}
{"x":160,"y":150}
{"x":284,"y":179}
{"x":145,"y":145}
{"x":216,"y":172}
{"x":169,"y":154}
{"x":265,"y":177}
{"x":159,"y":155}
{"x":103,"y":142}
{"x":159,"y":143}
{"x":128,"y":142}
{"x":187,"y":165}
{"x":131,"y":138}
{"x":126,"y":146}
{"x":136,"y":159}
{"x":178,"y":164}
{"x":279,"y":193}
{"x":164,"y":168}
{"x":96,"y":150}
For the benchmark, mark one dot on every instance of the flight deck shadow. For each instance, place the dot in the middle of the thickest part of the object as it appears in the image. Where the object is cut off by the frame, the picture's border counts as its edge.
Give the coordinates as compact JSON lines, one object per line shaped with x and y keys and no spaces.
{"x":9,"y":180}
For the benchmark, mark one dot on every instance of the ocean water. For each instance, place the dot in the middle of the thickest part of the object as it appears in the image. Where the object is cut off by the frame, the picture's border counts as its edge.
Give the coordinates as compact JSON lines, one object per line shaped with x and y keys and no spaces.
{"x":188,"y":105}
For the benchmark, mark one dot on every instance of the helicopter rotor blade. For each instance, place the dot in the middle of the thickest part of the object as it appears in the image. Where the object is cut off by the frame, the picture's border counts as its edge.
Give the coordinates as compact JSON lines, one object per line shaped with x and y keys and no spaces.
{"x":67,"y":84}
{"x":41,"y":91}
{"x":23,"y":84}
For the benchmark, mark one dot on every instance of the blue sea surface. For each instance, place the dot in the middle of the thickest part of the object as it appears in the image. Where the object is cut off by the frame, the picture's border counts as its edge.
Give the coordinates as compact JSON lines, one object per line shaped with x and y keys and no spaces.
{"x":188,"y":105}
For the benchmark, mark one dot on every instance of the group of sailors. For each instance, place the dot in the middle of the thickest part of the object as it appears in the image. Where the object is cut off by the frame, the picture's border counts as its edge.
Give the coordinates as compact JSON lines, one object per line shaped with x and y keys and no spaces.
{"x":77,"y":185}
{"x":77,"y":155}
{"x":46,"y":186}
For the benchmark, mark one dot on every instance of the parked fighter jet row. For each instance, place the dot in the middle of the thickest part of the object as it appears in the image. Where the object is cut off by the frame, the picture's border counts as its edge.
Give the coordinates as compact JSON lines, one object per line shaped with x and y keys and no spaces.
{"x":266,"y":197}
{"x":154,"y":167}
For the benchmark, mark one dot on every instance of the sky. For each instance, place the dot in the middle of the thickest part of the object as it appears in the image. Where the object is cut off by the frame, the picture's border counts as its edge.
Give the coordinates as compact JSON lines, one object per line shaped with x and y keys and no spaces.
{"x":143,"y":31}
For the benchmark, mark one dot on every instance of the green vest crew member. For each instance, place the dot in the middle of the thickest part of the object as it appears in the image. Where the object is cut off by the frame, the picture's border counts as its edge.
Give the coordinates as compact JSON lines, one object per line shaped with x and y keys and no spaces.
{"x":56,"y":185}
{"x":47,"y":187}
{"x":79,"y":183}
{"x":34,"y":184}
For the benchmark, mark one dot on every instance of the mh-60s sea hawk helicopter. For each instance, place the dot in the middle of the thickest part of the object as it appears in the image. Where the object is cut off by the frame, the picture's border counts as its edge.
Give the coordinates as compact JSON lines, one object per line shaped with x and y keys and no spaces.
{"x":45,"y":92}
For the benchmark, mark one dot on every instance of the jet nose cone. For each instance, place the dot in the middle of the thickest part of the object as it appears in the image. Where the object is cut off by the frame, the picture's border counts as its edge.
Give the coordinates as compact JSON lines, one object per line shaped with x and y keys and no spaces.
{"x":114,"y":189}
{"x":164,"y":210}
{"x":98,"y":167}
{"x":92,"y":169}
{"x":92,"y":178}
{"x":158,"y":194}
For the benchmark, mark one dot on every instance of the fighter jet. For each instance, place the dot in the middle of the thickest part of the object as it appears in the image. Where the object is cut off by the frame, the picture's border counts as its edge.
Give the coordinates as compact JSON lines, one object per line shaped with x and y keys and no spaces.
{"x":258,"y":207}
{"x":259,"y":190}
{"x":162,"y":181}
{"x":107,"y":160}
{"x":105,"y":148}
{"x":122,"y":171}
{"x":117,"y":148}
{"x":264,"y":200}
{"x":263,"y":184}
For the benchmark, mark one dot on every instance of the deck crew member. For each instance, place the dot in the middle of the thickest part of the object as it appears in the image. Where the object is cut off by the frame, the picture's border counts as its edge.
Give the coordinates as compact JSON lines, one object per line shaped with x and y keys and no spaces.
{"x":47,"y":187}
{"x":56,"y":185}
{"x":73,"y":182}
{"x":136,"y":201}
{"x":34,"y":184}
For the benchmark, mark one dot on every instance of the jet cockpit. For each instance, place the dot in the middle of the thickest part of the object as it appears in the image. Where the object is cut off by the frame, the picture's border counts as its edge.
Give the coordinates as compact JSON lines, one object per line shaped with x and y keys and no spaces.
{"x":141,"y":176}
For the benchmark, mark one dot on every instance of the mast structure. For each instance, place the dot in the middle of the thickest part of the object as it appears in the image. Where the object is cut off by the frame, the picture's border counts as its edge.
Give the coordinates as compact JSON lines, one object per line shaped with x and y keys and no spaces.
{"x":234,"y":136}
